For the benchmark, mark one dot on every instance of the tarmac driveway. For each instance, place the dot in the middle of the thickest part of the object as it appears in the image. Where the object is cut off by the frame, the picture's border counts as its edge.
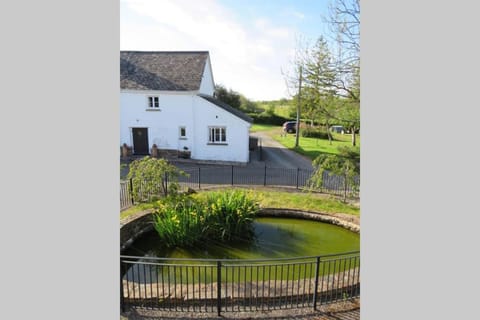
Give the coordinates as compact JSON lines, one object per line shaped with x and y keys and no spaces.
{"x":275,"y":155}
{"x":271,"y":154}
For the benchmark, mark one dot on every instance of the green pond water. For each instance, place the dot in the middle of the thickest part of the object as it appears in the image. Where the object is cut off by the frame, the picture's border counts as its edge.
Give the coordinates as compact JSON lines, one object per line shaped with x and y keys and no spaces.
{"x":274,"y":238}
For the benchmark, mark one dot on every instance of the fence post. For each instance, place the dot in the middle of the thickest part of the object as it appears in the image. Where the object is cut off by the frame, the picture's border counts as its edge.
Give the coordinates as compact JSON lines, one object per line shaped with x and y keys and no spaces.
{"x":219,"y":287}
{"x":317,"y":268}
{"x":232,"y":175}
{"x":260,"y":148}
{"x":199,"y":186}
{"x":298,"y":170}
{"x":265,"y":175}
{"x":131,"y":191}
{"x":166,"y":184}
{"x":122,"y":297}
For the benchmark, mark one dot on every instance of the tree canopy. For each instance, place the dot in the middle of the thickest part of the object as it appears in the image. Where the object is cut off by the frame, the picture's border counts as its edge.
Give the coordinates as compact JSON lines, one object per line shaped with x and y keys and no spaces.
{"x":234,"y":99}
{"x":330,"y":70}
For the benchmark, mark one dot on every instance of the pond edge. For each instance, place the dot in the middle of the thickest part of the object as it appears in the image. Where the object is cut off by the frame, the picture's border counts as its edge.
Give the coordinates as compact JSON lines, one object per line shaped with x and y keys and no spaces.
{"x":135,"y":225}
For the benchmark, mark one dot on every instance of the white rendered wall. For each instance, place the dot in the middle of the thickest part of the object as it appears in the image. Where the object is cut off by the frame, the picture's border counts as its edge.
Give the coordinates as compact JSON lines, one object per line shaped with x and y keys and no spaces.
{"x":164,"y":125}
{"x":180,"y":110}
{"x":237,"y":131}
{"x":207,"y":85}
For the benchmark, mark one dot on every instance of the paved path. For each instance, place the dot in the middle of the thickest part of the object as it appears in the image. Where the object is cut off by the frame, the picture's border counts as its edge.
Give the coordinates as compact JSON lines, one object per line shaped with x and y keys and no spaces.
{"x":335,"y":311}
{"x":275,"y":154}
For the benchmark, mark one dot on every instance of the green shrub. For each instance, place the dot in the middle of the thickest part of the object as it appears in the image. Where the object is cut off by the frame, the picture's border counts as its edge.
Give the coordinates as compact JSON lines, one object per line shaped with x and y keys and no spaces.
{"x":186,"y":221}
{"x":314,"y":133}
{"x":345,"y":164}
{"x":267,"y":118}
{"x":152,"y":178}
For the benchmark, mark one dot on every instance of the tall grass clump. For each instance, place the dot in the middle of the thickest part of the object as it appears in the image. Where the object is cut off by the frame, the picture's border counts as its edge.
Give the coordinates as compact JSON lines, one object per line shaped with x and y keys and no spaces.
{"x":186,"y":221}
{"x":230,"y":214}
{"x":178,"y":221}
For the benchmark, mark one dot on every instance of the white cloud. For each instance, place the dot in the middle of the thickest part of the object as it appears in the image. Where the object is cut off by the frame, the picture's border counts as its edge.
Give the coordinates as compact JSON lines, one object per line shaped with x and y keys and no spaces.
{"x":246,"y":56}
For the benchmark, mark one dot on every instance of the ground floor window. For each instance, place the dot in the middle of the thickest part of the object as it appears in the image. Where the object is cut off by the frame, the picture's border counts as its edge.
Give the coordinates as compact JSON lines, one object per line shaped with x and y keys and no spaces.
{"x":217,"y":135}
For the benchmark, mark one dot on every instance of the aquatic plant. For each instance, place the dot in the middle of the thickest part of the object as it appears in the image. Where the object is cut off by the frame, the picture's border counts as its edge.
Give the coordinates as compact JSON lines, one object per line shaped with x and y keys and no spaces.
{"x":185,"y":221}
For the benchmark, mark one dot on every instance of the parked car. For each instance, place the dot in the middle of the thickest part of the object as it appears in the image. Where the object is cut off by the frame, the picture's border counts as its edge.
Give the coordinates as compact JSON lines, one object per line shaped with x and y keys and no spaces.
{"x":338,"y":129}
{"x":290,"y":127}
{"x":343,"y":130}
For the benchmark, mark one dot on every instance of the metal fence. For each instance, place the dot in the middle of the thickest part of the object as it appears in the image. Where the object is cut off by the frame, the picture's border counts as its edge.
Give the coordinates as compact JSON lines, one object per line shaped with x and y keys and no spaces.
{"x":207,"y":177}
{"x":126,"y":199}
{"x":211,"y":285}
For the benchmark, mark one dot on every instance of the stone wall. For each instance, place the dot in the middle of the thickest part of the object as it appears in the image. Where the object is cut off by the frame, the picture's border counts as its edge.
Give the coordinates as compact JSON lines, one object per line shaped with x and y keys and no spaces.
{"x":134,"y":226}
{"x":346,"y":221}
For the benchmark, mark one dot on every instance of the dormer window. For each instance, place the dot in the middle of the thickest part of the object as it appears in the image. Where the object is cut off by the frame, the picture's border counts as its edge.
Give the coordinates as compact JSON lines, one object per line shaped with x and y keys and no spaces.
{"x":153,"y":103}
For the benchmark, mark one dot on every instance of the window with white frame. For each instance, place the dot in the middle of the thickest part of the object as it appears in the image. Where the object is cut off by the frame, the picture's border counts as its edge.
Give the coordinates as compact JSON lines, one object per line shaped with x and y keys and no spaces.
{"x":183,"y":132}
{"x":152,"y":103}
{"x":217,"y":135}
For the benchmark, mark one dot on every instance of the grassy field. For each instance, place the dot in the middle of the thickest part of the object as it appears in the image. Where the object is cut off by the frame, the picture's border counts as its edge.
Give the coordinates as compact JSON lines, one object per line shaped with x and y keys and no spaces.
{"x":310,"y":147}
{"x":282,"y":199}
{"x":262,"y":127}
{"x":279,"y":108}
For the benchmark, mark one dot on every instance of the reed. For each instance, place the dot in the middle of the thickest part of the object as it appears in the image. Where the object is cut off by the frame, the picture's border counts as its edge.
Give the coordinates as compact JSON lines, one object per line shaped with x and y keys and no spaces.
{"x":185,"y":221}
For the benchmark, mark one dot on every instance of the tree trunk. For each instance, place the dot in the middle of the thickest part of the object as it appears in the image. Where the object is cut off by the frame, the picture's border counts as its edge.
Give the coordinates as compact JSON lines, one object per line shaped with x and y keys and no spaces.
{"x":297,"y":133}
{"x":354,"y":138}
{"x":329,"y":134}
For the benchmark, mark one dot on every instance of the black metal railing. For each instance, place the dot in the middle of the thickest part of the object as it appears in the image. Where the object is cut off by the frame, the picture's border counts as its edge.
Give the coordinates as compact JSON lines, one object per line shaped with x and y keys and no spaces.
{"x":207,"y":177}
{"x":221,"y":285}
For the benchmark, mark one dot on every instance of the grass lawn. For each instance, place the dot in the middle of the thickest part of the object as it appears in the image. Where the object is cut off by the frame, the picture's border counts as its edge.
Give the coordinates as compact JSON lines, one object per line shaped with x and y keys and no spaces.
{"x":274,"y":198}
{"x":262,"y":127}
{"x":135,"y":209}
{"x":310,"y":147}
{"x":304,"y":201}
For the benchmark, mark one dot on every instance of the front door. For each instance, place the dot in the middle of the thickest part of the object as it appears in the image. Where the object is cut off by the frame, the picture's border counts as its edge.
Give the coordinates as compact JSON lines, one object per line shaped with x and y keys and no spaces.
{"x":140,"y":140}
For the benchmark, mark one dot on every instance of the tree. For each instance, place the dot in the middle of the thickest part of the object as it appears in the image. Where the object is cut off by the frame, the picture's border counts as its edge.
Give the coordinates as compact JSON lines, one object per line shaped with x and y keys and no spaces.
{"x":346,"y":165}
{"x":248,"y":105}
{"x":319,"y":95}
{"x":294,"y":81}
{"x":230,"y":97}
{"x":151,"y":177}
{"x":344,"y":21}
{"x":332,"y":77}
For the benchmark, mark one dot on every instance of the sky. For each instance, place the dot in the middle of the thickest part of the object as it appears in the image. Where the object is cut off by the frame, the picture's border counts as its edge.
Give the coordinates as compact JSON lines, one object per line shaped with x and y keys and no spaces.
{"x":251,"y":43}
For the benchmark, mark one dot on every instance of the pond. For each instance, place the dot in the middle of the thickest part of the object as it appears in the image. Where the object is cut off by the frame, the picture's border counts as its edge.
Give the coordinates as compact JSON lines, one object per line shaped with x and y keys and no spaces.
{"x":274,"y":238}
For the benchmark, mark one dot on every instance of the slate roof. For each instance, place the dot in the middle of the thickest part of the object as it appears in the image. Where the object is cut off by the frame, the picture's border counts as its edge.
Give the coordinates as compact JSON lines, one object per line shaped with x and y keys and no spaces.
{"x":162,"y":70}
{"x":226,"y":107}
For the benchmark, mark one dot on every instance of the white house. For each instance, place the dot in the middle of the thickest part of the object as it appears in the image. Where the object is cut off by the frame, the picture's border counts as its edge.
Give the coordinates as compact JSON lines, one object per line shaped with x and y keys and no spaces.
{"x":166,"y":99}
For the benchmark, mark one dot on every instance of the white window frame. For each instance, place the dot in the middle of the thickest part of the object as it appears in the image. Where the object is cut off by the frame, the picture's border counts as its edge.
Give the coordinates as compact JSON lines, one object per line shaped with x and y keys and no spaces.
{"x":184,"y":137}
{"x":153,"y":103}
{"x":217,"y":135}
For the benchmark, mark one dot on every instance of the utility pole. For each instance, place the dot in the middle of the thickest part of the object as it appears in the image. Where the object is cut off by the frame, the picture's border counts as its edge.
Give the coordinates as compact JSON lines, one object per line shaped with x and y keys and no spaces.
{"x":297,"y":133}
